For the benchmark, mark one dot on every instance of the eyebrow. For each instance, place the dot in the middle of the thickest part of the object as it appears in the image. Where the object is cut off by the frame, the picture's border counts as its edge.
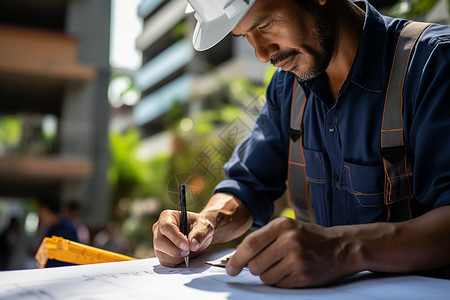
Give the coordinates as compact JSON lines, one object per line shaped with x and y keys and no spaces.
{"x":255,"y":24}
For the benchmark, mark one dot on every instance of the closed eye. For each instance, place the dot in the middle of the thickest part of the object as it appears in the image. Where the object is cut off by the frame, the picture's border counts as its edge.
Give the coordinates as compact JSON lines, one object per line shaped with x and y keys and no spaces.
{"x":237,"y":35}
{"x":266,"y":26}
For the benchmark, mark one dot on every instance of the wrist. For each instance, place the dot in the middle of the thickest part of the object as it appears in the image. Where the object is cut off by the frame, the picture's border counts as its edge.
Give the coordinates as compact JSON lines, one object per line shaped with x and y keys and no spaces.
{"x":366,"y":246}
{"x":229,"y":217}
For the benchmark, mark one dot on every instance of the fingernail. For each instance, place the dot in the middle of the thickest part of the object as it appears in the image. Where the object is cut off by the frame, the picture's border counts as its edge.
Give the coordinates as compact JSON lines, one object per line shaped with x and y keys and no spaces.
{"x":195,"y":244}
{"x":184,"y":246}
{"x":184,"y":253}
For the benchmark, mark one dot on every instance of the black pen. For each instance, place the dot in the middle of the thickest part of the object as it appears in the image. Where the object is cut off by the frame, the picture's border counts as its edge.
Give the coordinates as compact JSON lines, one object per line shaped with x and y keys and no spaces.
{"x":184,"y":229}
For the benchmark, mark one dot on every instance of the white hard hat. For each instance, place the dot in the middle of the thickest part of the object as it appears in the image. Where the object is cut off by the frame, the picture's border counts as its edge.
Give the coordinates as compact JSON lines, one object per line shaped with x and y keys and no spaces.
{"x":215,"y":19}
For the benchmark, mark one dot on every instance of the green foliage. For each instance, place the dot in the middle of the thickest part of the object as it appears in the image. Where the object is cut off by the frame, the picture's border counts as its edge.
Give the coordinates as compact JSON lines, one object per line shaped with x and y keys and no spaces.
{"x":10,"y":132}
{"x":411,"y":9}
{"x":126,"y":174}
{"x":419,"y":7}
{"x":179,"y":30}
{"x":158,"y":172}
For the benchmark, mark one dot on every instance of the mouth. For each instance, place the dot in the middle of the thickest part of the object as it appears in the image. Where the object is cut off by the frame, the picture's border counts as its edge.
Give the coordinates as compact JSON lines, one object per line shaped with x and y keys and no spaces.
{"x":286,"y":64}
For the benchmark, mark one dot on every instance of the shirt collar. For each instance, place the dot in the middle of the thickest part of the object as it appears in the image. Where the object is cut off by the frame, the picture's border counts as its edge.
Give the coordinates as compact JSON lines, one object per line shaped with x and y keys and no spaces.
{"x":367,"y":67}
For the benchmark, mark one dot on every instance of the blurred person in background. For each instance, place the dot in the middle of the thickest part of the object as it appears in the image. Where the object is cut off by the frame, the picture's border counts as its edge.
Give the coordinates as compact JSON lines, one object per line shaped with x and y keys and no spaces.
{"x":112,"y":239}
{"x":54,"y":223}
{"x":11,"y":250}
{"x":73,"y":212}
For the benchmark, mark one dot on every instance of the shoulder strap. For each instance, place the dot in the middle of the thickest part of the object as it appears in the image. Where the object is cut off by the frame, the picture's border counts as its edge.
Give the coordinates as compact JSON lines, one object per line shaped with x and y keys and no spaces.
{"x":397,"y":165}
{"x":297,"y":184}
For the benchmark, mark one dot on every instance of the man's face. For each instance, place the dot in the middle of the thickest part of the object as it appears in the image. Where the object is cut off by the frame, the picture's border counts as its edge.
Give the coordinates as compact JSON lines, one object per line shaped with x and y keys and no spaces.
{"x":293,"y":35}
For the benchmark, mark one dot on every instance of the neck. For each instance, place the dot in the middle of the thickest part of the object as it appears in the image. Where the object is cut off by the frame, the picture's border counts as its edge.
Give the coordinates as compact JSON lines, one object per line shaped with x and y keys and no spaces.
{"x":348,"y":22}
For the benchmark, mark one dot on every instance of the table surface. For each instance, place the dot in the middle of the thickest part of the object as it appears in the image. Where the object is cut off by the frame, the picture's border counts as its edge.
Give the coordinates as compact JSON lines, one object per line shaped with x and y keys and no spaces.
{"x":147,"y":279}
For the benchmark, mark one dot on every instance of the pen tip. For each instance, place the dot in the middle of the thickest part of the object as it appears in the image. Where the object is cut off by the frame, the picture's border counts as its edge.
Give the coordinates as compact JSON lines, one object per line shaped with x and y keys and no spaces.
{"x":186,"y":261}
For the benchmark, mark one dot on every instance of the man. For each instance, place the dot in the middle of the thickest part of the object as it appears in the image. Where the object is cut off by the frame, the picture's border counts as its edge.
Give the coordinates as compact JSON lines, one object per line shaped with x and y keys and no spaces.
{"x":342,"y":54}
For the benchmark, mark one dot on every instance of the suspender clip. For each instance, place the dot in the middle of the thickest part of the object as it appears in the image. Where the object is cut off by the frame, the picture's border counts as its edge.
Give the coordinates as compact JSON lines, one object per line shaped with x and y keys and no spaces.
{"x":295,"y":134}
{"x":393,"y":154}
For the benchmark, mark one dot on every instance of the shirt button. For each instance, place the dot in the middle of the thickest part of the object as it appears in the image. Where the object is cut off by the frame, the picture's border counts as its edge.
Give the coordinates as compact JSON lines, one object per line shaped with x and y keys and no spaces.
{"x":336,"y":177}
{"x":331,"y":129}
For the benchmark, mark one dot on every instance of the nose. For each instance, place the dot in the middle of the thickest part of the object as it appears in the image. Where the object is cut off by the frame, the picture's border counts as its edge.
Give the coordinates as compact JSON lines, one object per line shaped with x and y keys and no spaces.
{"x":264,"y":49}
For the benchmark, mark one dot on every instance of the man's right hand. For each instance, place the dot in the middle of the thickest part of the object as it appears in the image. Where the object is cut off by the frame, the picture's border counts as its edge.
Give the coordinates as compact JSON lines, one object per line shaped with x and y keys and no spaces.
{"x":224,"y":218}
{"x":171,"y":246}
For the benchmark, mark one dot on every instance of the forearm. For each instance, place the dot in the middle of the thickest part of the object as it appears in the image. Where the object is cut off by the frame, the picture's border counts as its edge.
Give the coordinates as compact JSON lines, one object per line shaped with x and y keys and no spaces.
{"x":229,"y":217}
{"x":419,"y":244}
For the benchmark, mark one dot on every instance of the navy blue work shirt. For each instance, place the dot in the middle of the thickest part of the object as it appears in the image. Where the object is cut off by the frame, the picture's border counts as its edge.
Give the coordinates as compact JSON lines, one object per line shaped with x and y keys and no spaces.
{"x":342,"y":139}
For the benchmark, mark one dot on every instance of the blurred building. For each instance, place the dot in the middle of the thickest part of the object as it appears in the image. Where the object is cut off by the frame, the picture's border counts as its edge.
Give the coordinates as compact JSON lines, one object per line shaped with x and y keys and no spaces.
{"x":54,"y":75}
{"x":173,"y":73}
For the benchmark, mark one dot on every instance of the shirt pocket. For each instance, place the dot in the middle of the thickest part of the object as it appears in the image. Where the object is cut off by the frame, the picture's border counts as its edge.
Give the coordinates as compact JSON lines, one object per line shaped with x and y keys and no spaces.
{"x":365,"y":185}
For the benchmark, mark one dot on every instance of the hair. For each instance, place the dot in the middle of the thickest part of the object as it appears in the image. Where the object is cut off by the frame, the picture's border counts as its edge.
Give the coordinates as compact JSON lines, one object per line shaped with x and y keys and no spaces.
{"x":51,"y":201}
{"x":74,"y":205}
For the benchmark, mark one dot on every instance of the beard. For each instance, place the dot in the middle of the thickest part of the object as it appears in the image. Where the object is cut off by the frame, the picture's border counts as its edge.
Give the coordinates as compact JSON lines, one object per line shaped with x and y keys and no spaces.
{"x":321,"y":55}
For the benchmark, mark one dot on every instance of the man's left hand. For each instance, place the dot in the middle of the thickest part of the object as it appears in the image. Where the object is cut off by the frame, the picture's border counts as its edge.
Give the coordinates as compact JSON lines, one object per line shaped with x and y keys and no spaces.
{"x":289,"y":253}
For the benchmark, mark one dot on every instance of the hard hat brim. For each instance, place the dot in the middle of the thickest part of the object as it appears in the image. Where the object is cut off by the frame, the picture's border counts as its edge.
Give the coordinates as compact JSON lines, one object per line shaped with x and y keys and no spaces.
{"x":208,"y":34}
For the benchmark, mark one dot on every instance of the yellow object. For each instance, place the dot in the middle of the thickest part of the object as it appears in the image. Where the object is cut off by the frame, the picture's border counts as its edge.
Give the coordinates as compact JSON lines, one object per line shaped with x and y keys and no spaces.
{"x":67,"y":251}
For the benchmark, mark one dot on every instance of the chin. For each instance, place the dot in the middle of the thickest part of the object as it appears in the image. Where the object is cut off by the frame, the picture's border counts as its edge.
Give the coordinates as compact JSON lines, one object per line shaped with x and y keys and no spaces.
{"x":304,"y":76}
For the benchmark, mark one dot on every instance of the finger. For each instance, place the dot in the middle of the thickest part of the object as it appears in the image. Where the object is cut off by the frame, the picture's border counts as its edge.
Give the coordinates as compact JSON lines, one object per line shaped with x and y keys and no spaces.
{"x":251,"y":246}
{"x":267,"y":258}
{"x":280,"y":264}
{"x":169,"y":226}
{"x":167,"y":260}
{"x":200,"y":245}
{"x":276,"y":273}
{"x":290,"y":275}
{"x":291,"y":281}
{"x":164,"y":245}
{"x":201,"y":234}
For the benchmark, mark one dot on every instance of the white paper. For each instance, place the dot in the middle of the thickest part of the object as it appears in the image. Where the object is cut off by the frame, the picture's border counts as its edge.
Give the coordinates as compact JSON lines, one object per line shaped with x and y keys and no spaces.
{"x":221,"y":261}
{"x":147,"y":279}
